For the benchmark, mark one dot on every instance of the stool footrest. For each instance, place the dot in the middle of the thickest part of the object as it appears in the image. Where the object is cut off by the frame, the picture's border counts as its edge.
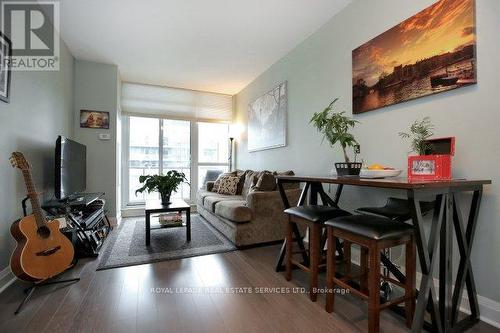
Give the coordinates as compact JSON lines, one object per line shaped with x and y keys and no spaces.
{"x":300,"y":265}
{"x":393,"y":281}
{"x":350,"y":288}
{"x":394,"y":302}
{"x":349,"y":277}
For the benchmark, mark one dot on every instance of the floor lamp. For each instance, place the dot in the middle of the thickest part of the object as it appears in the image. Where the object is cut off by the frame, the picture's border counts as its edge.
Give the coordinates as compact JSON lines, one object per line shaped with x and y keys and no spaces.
{"x":235,"y":131}
{"x":231,"y":139}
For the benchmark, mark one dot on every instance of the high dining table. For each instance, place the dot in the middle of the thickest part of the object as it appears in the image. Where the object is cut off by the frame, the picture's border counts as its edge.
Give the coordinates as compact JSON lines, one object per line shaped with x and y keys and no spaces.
{"x":447,"y":220}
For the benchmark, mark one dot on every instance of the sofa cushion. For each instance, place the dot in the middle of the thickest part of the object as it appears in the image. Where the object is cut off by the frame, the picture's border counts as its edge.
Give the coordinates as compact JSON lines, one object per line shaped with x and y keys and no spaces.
{"x":201,"y":195}
{"x":228,"y":185}
{"x":234,"y":210}
{"x":210,"y":201}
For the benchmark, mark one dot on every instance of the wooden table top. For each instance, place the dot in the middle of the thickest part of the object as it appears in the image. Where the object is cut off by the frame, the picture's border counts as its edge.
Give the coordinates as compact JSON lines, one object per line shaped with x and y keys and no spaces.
{"x":395,"y":182}
{"x":176,"y":204}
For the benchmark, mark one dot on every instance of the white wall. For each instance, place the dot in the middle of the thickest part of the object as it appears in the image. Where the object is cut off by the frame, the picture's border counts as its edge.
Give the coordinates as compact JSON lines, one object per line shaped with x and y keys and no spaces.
{"x":320,"y":69}
{"x":40,"y":109}
{"x":96,"y":88}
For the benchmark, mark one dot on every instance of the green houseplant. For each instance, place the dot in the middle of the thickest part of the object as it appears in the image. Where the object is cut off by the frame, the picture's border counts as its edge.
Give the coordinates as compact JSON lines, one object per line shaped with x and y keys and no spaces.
{"x":420,"y":132}
{"x":164,"y":184}
{"x":335,"y":127}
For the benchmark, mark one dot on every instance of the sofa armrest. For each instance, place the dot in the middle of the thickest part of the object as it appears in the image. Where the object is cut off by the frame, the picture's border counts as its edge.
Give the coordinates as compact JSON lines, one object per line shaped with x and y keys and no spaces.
{"x":210,"y":185}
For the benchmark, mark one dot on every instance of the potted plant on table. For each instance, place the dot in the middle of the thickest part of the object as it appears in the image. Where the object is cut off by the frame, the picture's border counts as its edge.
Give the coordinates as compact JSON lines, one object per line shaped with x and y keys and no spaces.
{"x":420,"y":132}
{"x":335,"y":127}
{"x":434,"y":156}
{"x":164,"y":184}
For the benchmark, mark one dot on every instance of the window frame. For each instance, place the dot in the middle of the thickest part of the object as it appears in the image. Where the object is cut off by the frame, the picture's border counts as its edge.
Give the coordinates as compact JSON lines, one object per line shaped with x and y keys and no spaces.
{"x":193,"y":161}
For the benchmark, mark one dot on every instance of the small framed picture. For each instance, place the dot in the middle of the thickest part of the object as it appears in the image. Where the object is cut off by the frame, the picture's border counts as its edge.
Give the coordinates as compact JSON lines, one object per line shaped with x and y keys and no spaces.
{"x":5,"y":67}
{"x":94,"y":119}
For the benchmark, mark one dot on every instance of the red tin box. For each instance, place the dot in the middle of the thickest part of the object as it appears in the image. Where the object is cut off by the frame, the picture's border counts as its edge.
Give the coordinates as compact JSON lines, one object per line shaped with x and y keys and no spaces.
{"x":436,"y":165}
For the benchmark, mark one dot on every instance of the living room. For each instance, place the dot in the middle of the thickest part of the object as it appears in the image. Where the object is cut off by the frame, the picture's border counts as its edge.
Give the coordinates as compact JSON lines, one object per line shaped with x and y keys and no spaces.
{"x":313,"y":165}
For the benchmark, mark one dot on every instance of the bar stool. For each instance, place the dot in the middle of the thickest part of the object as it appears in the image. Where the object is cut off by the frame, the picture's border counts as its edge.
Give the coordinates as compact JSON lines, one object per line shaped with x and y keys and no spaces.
{"x":313,"y":217}
{"x":397,"y":210}
{"x":373,"y":234}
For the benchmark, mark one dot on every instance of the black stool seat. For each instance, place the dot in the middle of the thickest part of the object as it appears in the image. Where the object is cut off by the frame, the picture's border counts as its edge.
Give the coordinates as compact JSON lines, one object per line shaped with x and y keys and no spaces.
{"x":396,"y":209}
{"x":372,"y":227}
{"x":316,"y":214}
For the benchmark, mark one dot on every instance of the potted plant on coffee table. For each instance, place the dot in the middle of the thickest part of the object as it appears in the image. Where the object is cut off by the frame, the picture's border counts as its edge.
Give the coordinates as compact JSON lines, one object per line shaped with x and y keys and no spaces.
{"x":335,"y":127}
{"x":164,"y":184}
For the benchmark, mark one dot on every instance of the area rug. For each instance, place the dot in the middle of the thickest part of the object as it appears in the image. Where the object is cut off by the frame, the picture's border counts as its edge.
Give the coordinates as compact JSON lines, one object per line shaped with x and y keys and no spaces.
{"x":125,"y":245}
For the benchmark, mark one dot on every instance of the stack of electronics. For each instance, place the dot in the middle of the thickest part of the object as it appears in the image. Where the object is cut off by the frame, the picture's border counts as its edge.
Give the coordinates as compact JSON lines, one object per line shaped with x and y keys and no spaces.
{"x":84,"y":213}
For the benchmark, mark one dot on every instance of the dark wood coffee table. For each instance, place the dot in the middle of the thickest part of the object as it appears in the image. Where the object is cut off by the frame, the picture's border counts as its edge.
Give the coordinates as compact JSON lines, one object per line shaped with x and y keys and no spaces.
{"x":153,"y":207}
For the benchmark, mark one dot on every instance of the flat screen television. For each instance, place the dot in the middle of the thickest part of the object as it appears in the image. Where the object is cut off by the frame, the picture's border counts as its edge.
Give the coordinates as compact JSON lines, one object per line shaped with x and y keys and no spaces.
{"x":70,"y":168}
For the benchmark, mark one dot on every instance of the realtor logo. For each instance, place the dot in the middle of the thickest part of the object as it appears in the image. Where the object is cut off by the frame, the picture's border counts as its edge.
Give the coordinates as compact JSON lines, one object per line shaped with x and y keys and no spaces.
{"x":33,"y":29}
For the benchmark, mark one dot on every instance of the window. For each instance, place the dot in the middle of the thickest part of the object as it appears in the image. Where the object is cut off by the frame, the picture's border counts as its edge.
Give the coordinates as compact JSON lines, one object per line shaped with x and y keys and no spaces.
{"x":143,"y":155}
{"x":177,"y":151}
{"x":153,"y":146}
{"x":213,"y":147}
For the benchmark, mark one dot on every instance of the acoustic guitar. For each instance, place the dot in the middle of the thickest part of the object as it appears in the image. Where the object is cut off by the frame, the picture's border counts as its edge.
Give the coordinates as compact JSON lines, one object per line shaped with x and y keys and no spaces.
{"x":42,"y":251}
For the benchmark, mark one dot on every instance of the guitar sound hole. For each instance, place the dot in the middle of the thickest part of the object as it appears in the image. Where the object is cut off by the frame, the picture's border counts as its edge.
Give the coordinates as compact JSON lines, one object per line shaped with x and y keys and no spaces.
{"x":43,"y":232}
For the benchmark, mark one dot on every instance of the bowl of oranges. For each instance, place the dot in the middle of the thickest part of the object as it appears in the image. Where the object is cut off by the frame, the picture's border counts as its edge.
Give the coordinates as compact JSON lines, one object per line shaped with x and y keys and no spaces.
{"x":379,"y":171}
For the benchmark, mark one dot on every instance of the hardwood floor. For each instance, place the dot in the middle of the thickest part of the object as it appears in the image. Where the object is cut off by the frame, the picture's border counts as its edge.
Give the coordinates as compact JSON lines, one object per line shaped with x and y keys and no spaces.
{"x":131,"y":299}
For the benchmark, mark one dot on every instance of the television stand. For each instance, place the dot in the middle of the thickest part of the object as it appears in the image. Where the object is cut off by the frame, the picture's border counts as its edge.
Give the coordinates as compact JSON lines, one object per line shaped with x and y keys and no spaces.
{"x":77,"y":199}
{"x":88,"y":225}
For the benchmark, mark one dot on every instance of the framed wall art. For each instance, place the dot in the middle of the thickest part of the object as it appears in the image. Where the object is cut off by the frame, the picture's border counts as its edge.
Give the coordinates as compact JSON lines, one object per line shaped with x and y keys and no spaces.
{"x":267,"y":120}
{"x":431,"y":52}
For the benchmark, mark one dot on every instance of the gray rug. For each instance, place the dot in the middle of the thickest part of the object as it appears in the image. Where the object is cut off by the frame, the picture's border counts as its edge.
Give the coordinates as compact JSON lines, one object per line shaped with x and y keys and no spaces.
{"x":125,"y":246}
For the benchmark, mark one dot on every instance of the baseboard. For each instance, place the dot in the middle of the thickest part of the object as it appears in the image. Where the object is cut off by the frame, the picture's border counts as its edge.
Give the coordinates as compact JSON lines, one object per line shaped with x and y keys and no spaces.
{"x":252,"y":246}
{"x":489,"y":309}
{"x":6,"y":278}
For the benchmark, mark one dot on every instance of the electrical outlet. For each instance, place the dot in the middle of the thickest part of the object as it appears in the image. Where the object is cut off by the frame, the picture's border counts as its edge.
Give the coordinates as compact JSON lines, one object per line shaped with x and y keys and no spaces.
{"x":104,"y":136}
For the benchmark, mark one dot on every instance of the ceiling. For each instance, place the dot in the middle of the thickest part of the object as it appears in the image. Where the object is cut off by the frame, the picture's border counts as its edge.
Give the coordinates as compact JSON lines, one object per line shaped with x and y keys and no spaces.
{"x":210,"y":45}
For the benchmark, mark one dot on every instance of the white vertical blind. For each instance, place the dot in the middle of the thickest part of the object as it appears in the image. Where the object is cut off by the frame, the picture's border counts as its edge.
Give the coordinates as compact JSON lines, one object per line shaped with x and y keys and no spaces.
{"x":156,"y":101}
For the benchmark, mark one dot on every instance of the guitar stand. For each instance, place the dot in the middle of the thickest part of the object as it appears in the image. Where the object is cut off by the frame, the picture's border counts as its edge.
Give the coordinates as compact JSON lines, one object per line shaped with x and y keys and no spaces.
{"x":30,"y":290}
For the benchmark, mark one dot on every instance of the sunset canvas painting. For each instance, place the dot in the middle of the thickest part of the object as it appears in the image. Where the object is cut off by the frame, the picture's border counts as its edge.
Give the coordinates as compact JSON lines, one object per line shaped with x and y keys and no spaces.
{"x":431,"y":52}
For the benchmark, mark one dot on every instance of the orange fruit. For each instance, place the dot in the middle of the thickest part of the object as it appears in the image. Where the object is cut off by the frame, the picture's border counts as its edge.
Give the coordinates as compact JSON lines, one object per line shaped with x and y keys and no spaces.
{"x":376,"y":167}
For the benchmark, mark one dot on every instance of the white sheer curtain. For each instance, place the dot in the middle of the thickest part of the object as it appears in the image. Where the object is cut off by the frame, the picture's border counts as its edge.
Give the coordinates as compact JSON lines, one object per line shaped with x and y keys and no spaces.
{"x":173,"y":103}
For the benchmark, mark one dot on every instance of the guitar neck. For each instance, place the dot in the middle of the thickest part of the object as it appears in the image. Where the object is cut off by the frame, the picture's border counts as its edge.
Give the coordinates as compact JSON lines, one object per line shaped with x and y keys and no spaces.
{"x":33,"y":196}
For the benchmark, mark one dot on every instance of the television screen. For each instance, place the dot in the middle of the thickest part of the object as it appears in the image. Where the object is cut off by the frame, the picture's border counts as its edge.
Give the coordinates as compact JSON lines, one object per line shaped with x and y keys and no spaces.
{"x":71,"y":174}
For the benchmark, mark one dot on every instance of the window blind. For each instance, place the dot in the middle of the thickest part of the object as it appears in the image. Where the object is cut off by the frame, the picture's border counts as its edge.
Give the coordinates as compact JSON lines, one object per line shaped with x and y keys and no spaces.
{"x":175,"y":103}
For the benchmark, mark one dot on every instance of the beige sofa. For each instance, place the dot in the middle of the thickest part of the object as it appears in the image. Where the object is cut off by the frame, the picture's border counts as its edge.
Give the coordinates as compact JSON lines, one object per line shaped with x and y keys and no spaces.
{"x":249,"y":217}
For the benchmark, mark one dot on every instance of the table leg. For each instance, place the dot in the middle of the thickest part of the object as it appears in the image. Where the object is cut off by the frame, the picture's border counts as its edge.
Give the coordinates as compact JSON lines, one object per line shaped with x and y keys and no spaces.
{"x":315,"y":255}
{"x":327,"y":201}
{"x":445,"y":265}
{"x":427,"y":294}
{"x":188,"y":224}
{"x":465,"y":275}
{"x":296,"y":233}
{"x":148,"y":228}
{"x":313,"y":194}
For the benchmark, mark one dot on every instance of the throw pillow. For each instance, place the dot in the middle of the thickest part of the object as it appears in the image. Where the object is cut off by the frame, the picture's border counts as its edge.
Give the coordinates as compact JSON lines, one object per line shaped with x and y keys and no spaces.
{"x":266,"y":182}
{"x":228,"y":185}
{"x":241,"y":183}
{"x":253,"y":188}
{"x":288,"y":186}
{"x":249,"y":180}
{"x":215,"y":188}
